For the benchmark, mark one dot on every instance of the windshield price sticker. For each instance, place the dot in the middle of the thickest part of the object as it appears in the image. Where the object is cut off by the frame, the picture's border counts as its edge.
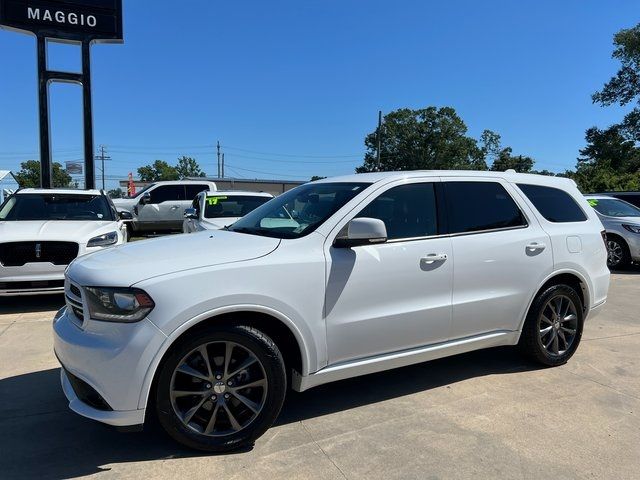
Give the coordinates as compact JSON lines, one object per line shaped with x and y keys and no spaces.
{"x":214,"y":200}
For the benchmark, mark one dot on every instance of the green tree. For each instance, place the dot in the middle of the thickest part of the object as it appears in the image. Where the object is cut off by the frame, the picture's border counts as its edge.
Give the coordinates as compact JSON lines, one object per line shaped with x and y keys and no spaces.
{"x":506,"y":161}
{"x":115,"y":193}
{"x":188,"y":167}
{"x":429,"y":138}
{"x":29,"y":175}
{"x":624,"y":87}
{"x":159,"y":170}
{"x":316,"y":177}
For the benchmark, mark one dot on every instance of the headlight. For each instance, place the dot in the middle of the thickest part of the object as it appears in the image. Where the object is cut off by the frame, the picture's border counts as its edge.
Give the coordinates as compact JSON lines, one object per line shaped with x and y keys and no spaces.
{"x":118,"y":304}
{"x":631,"y":228}
{"x":103,"y":240}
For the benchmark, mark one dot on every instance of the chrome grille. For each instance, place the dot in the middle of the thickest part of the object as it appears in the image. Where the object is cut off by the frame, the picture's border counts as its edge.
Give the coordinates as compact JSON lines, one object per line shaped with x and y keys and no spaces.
{"x":73,"y":297}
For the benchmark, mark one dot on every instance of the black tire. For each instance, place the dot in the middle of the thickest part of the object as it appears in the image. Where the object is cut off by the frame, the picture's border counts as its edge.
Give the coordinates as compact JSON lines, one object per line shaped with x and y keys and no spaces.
{"x":618,"y":254}
{"x":246,"y":341}
{"x":540,"y":318}
{"x":129,"y":232}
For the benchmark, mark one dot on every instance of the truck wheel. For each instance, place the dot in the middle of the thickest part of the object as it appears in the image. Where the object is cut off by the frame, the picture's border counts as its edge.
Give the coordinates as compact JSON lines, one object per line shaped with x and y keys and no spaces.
{"x":221,"y":388}
{"x":553,"y":327}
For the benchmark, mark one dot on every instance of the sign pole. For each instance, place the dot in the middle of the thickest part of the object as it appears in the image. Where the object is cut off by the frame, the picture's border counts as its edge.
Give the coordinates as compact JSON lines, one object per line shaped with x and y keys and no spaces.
{"x":89,"y":169}
{"x":43,"y":97}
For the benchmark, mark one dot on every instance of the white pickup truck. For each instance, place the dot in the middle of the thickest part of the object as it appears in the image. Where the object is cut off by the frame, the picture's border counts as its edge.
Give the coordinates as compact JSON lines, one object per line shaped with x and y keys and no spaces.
{"x":159,"y":207}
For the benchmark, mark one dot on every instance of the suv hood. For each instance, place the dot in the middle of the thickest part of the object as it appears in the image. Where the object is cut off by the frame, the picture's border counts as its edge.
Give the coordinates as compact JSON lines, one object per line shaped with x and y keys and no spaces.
{"x":131,"y":263}
{"x":54,"y":230}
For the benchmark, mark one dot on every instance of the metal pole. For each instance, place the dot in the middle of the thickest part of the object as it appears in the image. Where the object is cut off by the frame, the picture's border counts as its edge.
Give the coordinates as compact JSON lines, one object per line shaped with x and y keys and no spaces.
{"x":43,"y":102}
{"x":223,"y":165}
{"x":89,"y":168}
{"x":102,"y":158}
{"x":378,"y":134}
{"x":218,"y":158}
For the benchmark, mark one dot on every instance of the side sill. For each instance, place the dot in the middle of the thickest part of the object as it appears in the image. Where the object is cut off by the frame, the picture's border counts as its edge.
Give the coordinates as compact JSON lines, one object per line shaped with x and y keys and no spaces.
{"x":403,"y":358}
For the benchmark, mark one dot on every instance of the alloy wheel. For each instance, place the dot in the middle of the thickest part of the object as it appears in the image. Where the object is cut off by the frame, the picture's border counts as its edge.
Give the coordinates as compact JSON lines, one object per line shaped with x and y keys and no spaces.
{"x":558,"y":324}
{"x":614,"y":252}
{"x":218,"y":388}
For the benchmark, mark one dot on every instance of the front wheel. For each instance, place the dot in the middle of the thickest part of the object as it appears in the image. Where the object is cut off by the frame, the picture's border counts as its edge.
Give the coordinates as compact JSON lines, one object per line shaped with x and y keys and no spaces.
{"x":618,"y":255}
{"x":553,"y":327}
{"x":221,"y":388}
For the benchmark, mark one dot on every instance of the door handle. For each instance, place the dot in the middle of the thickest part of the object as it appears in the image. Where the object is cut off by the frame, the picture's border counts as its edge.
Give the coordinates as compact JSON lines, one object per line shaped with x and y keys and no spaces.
{"x":536,"y":246}
{"x":175,"y":207}
{"x":434,"y":257}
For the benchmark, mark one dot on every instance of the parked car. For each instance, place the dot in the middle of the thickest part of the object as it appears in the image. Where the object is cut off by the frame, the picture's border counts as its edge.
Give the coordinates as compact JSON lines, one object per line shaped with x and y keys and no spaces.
{"x":336,"y":278}
{"x":621,"y":220}
{"x":214,"y":210}
{"x":42,"y":231}
{"x":631,"y":197}
{"x":159,"y":207}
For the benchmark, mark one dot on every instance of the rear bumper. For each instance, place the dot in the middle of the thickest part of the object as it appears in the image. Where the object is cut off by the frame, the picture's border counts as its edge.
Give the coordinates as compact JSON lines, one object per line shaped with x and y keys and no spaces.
{"x":595,"y":310}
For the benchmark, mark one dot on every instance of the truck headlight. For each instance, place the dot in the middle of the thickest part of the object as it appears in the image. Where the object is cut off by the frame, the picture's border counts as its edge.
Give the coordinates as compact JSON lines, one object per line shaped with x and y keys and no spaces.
{"x":103,"y":240}
{"x":631,"y":228}
{"x":118,"y":304}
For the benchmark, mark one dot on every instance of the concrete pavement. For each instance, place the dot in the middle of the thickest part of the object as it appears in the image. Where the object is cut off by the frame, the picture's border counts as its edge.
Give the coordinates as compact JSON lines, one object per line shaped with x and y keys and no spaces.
{"x":487,"y":414}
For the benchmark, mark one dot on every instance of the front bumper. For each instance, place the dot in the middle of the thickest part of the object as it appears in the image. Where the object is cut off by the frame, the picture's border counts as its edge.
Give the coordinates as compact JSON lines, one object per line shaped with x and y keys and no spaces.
{"x":112,"y":359}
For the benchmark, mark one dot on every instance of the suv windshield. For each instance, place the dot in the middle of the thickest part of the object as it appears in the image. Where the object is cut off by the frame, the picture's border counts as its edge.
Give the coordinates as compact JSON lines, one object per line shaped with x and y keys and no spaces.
{"x":299,"y":211}
{"x":612,"y":207}
{"x":55,"y":206}
{"x":219,"y":206}
{"x":140,"y":192}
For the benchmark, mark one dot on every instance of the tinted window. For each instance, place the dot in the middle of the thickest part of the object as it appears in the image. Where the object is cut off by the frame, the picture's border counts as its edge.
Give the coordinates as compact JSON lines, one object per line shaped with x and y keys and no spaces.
{"x":408,"y":211}
{"x":194,"y":189}
{"x":476,"y":206}
{"x":167,"y":193}
{"x":219,"y":206}
{"x":632,"y":198}
{"x":35,"y":206}
{"x":553,"y":204}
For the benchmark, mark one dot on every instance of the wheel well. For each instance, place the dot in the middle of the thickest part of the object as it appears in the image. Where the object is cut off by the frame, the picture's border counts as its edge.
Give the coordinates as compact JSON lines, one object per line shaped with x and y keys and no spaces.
{"x":271,"y":326}
{"x":571,"y":280}
{"x":619,"y":238}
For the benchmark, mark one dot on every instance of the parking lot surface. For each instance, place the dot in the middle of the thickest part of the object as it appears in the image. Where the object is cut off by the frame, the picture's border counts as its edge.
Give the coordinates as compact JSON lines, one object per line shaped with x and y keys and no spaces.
{"x":487,"y":414}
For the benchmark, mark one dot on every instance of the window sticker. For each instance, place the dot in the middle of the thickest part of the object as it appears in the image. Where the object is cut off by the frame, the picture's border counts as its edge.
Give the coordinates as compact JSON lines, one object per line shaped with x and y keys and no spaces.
{"x":214,"y":200}
{"x":592,"y":201}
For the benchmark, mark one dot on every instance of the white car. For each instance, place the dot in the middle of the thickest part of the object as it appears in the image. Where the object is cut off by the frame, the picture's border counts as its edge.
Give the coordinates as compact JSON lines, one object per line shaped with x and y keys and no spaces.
{"x":372,"y":272}
{"x":159,"y":207}
{"x":42,"y":231}
{"x":215,"y":210}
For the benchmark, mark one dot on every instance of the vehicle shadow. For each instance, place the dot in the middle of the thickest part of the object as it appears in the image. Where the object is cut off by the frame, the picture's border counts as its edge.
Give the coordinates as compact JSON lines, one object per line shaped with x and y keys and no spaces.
{"x":633,"y":269}
{"x":42,"y":439}
{"x":31,"y":303}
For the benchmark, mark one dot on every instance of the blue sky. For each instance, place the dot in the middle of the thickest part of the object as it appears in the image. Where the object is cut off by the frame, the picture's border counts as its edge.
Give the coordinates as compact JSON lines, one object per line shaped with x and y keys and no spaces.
{"x":291,"y":88}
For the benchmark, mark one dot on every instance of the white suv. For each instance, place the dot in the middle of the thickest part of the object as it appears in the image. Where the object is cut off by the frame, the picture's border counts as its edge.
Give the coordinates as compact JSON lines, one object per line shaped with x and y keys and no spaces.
{"x":159,"y":207}
{"x":334,"y":279}
{"x":42,"y":231}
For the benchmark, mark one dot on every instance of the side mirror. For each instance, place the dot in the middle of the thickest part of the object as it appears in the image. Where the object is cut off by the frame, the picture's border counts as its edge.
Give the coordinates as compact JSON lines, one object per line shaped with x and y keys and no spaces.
{"x":190,"y":213}
{"x":146,"y":198}
{"x":362,"y":231}
{"x":124,"y":215}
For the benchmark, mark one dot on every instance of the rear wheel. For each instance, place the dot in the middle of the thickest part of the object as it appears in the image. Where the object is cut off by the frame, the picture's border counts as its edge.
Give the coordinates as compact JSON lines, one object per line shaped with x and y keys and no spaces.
{"x":618,"y":255}
{"x":220,"y":389}
{"x":553,"y":328}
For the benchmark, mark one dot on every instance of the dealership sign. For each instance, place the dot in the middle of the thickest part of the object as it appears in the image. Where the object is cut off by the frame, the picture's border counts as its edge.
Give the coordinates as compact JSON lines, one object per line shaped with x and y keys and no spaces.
{"x":84,"y":22}
{"x":95,"y":20}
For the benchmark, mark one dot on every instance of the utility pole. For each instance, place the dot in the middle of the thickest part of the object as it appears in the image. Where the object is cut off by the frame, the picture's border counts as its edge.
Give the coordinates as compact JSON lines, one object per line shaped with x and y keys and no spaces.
{"x":218,"y":158}
{"x":223,"y":165}
{"x":378,"y":135}
{"x":102,"y":157}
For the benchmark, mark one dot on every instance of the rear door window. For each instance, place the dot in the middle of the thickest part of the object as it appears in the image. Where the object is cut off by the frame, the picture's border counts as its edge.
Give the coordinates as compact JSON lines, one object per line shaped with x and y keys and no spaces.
{"x":480,"y":206}
{"x":194,"y":189}
{"x":553,"y":204}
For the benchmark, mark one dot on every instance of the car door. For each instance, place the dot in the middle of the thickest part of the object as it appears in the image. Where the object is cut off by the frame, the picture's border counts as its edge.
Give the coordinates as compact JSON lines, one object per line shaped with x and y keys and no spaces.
{"x":165,"y":208}
{"x":501,"y":252}
{"x":393,"y":296}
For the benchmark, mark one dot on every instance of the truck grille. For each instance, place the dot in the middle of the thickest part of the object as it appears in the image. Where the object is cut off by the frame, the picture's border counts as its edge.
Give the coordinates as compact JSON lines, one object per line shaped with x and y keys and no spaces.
{"x":16,"y":254}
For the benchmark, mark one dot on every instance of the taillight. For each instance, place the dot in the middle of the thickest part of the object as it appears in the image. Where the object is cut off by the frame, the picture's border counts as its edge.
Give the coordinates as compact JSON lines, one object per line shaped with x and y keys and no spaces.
{"x":604,"y":237}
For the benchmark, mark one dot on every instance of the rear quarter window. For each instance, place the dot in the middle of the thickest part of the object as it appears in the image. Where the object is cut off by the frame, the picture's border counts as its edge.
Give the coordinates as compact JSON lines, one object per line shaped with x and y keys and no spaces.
{"x":554,"y":204}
